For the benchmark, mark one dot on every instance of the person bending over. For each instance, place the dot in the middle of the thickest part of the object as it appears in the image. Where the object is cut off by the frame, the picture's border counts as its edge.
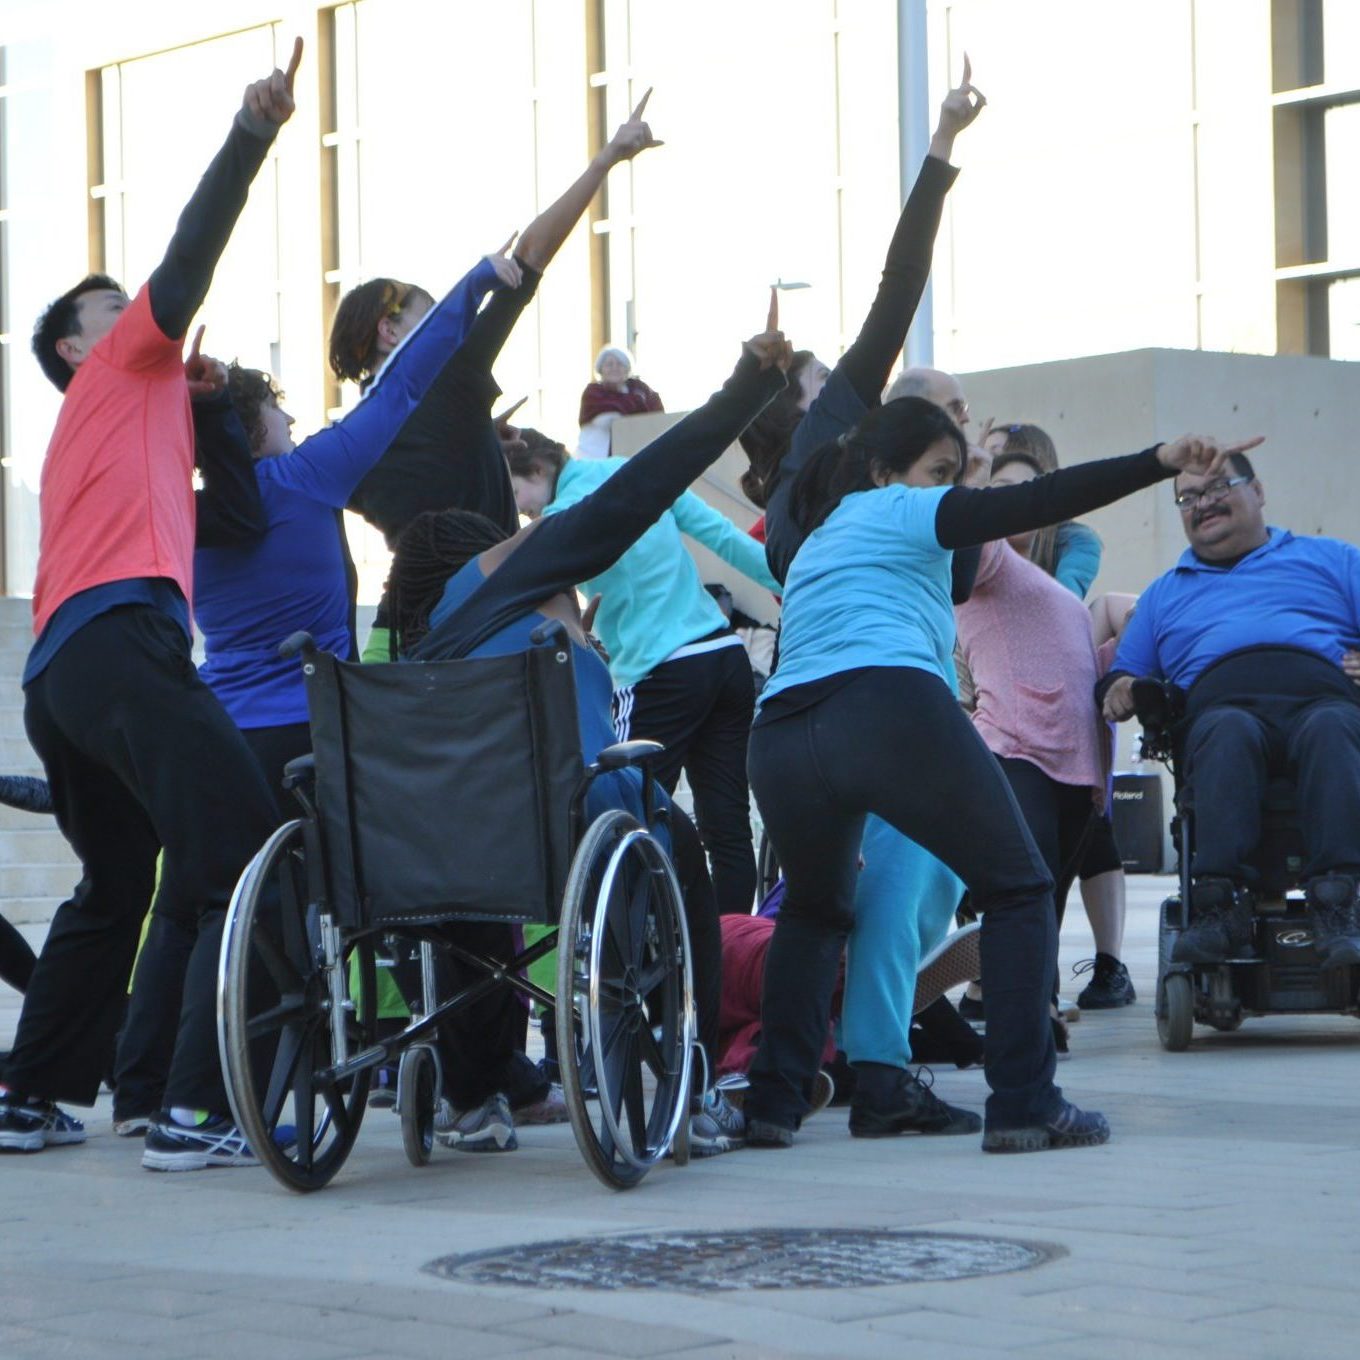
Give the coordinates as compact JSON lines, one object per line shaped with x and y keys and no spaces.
{"x":1254,"y":622}
{"x":860,"y":692}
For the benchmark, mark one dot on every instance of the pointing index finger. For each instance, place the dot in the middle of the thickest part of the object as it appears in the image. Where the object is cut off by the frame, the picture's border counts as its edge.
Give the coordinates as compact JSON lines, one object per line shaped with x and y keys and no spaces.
{"x":636,"y":115}
{"x":772,"y":320}
{"x":967,"y":71}
{"x":198,"y":342}
{"x":505,"y":249}
{"x":293,"y":63}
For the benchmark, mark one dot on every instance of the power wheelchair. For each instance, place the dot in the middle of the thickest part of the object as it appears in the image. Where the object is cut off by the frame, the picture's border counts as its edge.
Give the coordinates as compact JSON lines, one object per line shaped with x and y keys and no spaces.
{"x":440,"y":792}
{"x":1285,"y":977}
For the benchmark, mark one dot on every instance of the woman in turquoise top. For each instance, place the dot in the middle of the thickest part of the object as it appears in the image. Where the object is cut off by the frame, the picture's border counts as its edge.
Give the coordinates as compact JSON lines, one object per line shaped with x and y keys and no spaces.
{"x":681,"y":674}
{"x":860,"y":718}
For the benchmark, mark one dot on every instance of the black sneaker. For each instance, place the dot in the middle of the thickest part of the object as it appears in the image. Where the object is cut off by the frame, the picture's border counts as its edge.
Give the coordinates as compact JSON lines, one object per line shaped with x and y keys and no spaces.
{"x":1069,"y":1127}
{"x":1220,"y":924}
{"x":973,"y":1009}
{"x":905,"y":1104}
{"x":1335,"y":920}
{"x":1110,"y":985}
{"x":764,"y":1133}
{"x":28,"y":1125}
{"x":184,"y":1147}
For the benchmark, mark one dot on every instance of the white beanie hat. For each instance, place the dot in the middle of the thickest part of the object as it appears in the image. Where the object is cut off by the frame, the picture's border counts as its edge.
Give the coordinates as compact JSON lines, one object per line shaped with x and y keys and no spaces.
{"x":618,"y":353}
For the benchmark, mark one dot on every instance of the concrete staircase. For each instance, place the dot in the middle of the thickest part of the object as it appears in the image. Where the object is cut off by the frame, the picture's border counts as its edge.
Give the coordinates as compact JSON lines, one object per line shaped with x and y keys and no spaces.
{"x":37,"y":868}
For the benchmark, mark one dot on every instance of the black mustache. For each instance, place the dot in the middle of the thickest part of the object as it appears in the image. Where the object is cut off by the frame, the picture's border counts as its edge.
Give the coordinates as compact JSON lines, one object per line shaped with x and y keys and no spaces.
{"x":1202,"y":515}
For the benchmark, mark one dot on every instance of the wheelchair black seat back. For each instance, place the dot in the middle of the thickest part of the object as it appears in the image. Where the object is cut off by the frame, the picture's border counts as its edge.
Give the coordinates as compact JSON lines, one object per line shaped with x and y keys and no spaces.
{"x":447,"y":788}
{"x":440,"y":792}
{"x":1283,"y":975}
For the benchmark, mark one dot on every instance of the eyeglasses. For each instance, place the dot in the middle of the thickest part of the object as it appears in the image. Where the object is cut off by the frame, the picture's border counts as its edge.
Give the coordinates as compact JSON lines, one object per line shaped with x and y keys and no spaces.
{"x":1208,"y":495}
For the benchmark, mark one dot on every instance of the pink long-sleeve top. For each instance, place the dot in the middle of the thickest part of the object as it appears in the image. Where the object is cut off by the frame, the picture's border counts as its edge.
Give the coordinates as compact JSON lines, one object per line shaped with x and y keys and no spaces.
{"x":1027,"y":641}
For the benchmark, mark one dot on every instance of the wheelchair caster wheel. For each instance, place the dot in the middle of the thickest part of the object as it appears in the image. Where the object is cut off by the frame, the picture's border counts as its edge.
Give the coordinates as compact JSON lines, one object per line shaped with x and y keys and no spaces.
{"x":417,"y":1083}
{"x":1177,"y":1020}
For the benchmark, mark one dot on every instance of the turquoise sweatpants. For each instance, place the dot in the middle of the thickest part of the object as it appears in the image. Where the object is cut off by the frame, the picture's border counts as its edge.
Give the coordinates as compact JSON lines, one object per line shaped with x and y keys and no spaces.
{"x":903,"y":906}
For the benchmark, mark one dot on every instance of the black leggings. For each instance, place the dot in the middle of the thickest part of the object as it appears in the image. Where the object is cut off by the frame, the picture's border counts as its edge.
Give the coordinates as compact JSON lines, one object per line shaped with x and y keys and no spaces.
{"x":893,"y":741}
{"x":1060,"y":817}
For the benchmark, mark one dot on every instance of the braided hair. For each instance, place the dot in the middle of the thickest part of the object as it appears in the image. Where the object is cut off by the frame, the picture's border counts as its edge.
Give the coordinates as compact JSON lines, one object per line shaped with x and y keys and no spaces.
{"x":354,"y":332}
{"x":430,"y":550}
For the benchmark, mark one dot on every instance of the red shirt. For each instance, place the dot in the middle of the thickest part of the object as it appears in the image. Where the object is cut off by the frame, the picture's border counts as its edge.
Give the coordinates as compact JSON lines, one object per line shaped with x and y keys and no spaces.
{"x":116,"y":499}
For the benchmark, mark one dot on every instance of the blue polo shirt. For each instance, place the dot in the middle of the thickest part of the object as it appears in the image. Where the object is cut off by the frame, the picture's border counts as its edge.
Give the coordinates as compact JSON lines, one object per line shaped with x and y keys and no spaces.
{"x":1290,"y":592}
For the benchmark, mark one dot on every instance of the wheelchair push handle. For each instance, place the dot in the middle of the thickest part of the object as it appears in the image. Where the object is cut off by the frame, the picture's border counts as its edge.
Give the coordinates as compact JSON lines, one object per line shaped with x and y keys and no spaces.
{"x":550,"y":633}
{"x":302,"y":642}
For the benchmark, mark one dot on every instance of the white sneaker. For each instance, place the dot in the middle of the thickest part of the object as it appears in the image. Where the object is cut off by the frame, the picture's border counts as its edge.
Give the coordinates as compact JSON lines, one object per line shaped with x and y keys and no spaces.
{"x":488,"y":1127}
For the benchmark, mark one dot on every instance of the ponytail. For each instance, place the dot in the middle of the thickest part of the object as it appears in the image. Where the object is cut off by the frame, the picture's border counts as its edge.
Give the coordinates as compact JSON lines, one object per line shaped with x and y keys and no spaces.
{"x":890,"y":439}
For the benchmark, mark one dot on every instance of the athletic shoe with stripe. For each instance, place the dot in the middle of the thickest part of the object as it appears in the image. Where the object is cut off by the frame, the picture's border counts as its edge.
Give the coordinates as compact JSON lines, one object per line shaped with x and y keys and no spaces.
{"x":488,"y":1127}
{"x":1067,"y":1127}
{"x":716,"y":1126}
{"x":182,"y":1147}
{"x":31,"y":1125}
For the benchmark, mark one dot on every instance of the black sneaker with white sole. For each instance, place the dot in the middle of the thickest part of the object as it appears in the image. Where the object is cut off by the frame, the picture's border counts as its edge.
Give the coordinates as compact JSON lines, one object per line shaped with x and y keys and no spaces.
{"x":28,"y":1125}
{"x":1110,"y":986}
{"x":195,"y":1147}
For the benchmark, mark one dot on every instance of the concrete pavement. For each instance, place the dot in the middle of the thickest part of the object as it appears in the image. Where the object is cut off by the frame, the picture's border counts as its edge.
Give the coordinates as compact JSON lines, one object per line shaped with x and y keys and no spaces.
{"x":1220,"y":1221}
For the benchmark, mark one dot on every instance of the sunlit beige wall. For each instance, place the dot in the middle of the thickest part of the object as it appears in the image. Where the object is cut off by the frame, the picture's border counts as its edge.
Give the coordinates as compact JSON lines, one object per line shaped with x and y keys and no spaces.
{"x":1117,"y":193}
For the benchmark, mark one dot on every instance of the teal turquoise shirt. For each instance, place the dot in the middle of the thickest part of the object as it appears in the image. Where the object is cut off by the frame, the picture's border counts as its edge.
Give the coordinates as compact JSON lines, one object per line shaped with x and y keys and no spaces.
{"x":653,"y":602}
{"x":870,"y":587}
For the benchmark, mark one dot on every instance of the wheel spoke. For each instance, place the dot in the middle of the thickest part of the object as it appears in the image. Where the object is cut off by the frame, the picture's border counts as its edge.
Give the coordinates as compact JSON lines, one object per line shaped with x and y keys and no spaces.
{"x":653,"y":977}
{"x":282,"y":971}
{"x":632,"y":1094}
{"x":651,"y":1053}
{"x":638,"y":898}
{"x":292,"y":1042}
{"x":304,"y":1101}
{"x":276,"y":1017}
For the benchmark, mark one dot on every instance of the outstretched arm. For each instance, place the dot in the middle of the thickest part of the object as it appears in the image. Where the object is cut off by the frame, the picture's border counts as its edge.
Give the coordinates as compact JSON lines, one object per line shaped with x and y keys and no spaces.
{"x":180,"y":282}
{"x":870,"y":358}
{"x":543,"y":237}
{"x":558,"y":551}
{"x":967,"y":515}
{"x":328,"y":466}
{"x":716,"y":532}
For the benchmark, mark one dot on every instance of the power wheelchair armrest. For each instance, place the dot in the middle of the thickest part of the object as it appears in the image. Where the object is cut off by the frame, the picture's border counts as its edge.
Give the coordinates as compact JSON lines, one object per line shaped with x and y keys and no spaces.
{"x":299,"y":771}
{"x":1159,"y":707}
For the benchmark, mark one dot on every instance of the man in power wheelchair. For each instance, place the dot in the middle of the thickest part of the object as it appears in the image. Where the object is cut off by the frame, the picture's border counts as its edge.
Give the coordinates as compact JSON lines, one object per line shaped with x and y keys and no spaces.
{"x":1245,"y":637}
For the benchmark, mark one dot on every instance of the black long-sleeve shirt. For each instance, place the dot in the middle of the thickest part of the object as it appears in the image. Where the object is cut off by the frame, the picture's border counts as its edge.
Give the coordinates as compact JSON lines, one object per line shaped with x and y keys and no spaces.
{"x":865,"y":366}
{"x":448,"y":455}
{"x":974,"y":515}
{"x":593,"y":534}
{"x":181,"y":281}
{"x":229,"y":509}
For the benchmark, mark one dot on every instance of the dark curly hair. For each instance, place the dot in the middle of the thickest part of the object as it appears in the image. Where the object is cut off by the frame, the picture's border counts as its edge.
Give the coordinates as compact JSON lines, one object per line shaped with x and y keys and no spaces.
{"x":60,"y":321}
{"x":250,"y":390}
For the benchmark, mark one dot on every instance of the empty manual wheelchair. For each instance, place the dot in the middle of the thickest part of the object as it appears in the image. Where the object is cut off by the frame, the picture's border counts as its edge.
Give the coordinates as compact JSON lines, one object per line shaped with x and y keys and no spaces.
{"x":1283,"y":974}
{"x":440,"y":792}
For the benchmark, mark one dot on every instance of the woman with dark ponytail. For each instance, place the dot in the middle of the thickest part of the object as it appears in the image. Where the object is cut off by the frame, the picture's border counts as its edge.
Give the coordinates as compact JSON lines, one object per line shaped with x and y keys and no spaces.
{"x":860,"y":718}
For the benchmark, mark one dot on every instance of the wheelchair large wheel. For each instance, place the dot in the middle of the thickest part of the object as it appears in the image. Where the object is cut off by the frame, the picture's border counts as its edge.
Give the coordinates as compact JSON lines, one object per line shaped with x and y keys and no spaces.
{"x":1176,"y":1023}
{"x":623,"y":984}
{"x":276,"y":997}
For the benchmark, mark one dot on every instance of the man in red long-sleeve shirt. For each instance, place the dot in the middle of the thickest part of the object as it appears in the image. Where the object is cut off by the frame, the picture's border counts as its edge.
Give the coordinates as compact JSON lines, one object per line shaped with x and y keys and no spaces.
{"x":139,"y":753}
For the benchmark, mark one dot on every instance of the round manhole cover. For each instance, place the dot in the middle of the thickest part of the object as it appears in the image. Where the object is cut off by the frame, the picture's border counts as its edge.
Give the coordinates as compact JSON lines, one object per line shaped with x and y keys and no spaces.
{"x":774,"y":1258}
